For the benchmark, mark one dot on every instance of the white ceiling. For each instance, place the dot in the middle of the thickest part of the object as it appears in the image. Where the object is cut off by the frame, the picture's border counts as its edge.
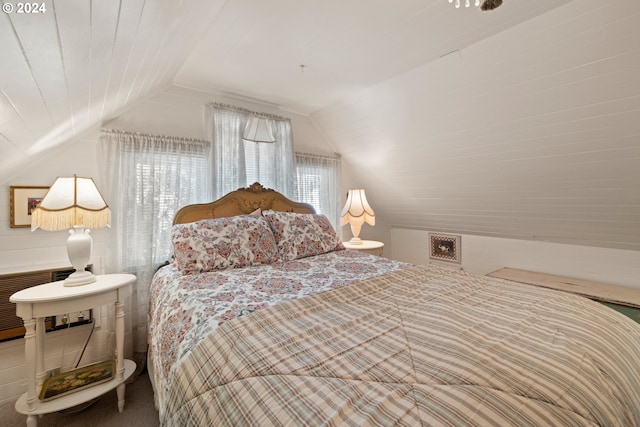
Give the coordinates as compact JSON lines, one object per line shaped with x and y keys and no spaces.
{"x":255,"y":48}
{"x":82,"y":62}
{"x":79,"y":63}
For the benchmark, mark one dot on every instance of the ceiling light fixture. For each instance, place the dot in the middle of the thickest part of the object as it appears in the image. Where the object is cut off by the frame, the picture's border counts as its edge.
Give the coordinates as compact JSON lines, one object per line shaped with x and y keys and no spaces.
{"x":490,"y":4}
{"x":486,"y":4}
{"x":467,"y":3}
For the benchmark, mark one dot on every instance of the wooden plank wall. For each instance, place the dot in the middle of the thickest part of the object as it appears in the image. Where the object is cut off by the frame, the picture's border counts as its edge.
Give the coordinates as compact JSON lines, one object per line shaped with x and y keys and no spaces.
{"x":531,"y":134}
{"x":79,"y":63}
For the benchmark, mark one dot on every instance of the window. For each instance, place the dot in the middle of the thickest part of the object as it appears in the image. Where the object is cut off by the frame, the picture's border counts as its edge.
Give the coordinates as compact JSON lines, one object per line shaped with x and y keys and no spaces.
{"x":318,"y":183}
{"x":151,"y":177}
{"x":238,"y":163}
{"x":164,"y":182}
{"x":147,"y":179}
{"x":258,"y":158}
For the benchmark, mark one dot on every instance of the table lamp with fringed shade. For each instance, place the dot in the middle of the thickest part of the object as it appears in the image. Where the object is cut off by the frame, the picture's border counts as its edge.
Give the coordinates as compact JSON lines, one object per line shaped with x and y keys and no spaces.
{"x":73,"y":203}
{"x":356,"y":212}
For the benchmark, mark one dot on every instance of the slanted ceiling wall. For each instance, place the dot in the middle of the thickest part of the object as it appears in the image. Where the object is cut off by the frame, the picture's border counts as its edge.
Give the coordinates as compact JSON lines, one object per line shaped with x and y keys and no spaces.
{"x":531,"y":134}
{"x":77,"y":64}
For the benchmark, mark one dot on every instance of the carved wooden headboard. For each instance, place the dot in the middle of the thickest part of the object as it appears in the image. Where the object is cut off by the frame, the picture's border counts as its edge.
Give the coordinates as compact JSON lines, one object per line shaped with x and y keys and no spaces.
{"x":243,"y":201}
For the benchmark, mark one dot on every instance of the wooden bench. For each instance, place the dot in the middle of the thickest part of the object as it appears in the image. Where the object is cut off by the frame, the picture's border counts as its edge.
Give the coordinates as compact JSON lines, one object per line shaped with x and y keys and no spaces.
{"x":624,"y":300}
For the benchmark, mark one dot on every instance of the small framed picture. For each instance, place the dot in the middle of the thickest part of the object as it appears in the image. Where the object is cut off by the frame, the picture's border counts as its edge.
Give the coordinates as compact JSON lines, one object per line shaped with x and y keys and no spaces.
{"x":22,"y":202}
{"x":78,"y":379}
{"x":444,"y":247}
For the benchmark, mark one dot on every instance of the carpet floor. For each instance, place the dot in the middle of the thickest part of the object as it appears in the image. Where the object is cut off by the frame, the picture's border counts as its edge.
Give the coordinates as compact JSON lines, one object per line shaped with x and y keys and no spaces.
{"x":139,"y":410}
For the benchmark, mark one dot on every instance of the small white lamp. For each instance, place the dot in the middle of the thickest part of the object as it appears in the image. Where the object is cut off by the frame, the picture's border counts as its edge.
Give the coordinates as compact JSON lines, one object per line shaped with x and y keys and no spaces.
{"x":73,"y":203}
{"x":356,"y":212}
{"x":258,"y":130}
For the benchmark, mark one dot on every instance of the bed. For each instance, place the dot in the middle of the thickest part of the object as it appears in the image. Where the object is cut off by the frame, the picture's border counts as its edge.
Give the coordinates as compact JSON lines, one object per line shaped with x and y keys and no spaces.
{"x":264,"y":319}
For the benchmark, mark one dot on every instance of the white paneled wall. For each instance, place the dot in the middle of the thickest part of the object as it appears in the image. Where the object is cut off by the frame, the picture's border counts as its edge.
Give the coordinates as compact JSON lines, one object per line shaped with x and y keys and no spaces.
{"x":482,"y":255}
{"x":179,"y":111}
{"x":531,"y":134}
{"x":79,"y":63}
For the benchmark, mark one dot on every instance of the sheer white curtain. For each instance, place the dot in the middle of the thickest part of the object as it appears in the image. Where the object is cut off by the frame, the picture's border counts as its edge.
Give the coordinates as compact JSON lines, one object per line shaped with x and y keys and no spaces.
{"x":239,"y":163}
{"x":318,"y":183}
{"x":147,"y":179}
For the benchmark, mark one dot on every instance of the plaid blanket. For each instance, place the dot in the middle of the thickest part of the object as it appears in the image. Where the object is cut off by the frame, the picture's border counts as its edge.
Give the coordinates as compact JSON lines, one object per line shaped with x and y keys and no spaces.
{"x":421,"y":346}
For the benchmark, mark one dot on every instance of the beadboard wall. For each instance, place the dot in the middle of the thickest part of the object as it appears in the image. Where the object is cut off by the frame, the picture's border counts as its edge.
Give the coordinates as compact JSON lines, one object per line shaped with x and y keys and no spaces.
{"x":531,"y":134}
{"x":482,"y":255}
{"x":178,"y":111}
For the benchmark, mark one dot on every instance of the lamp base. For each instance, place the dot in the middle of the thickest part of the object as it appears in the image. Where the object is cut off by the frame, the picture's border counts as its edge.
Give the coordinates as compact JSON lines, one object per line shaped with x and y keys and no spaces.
{"x":79,"y":246}
{"x":355,"y":241}
{"x":79,"y":278}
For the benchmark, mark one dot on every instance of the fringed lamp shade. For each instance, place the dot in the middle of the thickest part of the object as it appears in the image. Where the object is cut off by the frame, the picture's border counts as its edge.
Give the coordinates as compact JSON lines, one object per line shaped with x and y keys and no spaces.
{"x":356,"y":212}
{"x":73,"y":203}
{"x":258,"y":130}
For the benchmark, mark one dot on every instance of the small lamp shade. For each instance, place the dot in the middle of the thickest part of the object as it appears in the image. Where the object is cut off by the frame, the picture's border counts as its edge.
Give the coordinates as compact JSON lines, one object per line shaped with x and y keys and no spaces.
{"x":258,"y":130}
{"x":73,"y":203}
{"x":356,"y":212}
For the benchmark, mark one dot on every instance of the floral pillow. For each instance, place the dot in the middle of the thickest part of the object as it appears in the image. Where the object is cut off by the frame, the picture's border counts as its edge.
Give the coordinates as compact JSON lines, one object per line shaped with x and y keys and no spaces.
{"x":221,"y":243}
{"x":302,"y":235}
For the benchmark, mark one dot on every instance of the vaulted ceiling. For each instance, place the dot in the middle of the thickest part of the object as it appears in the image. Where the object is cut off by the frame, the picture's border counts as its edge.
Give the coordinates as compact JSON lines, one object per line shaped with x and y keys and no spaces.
{"x":78,"y":63}
{"x":255,"y":48}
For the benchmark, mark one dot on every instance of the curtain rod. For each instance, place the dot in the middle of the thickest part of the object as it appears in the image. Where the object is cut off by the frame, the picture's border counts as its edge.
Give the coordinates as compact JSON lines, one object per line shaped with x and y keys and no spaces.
{"x":247,"y":111}
{"x":177,"y":138}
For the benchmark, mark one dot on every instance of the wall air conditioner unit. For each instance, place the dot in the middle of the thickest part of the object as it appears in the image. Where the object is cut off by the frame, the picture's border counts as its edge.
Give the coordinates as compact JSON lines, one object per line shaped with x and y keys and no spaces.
{"x":11,"y":325}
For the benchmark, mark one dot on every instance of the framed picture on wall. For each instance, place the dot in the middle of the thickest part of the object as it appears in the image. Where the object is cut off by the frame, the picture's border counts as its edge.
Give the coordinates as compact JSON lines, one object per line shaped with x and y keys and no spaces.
{"x":444,"y":247}
{"x":22,"y":201}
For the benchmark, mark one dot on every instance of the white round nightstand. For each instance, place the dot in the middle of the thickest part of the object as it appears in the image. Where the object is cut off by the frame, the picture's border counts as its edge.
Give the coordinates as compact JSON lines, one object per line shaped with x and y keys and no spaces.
{"x":368,"y":246}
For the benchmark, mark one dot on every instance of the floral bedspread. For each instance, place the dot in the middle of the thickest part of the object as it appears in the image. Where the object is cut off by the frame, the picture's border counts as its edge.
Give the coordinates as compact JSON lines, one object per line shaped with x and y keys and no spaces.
{"x":184,"y":309}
